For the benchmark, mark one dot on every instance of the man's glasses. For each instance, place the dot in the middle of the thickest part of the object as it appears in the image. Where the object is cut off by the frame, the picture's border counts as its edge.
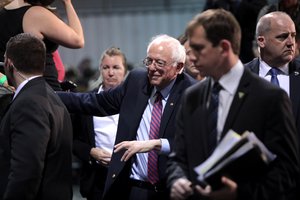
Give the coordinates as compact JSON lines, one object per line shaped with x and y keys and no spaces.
{"x":159,"y":63}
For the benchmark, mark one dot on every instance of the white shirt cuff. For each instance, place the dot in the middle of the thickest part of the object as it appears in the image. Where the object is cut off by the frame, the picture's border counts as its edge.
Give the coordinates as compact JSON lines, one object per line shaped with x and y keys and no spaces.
{"x":165,"y":146}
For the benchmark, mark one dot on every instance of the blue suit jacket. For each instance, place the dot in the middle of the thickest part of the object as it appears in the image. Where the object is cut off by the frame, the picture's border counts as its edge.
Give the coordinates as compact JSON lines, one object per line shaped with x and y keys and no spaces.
{"x":129,"y":100}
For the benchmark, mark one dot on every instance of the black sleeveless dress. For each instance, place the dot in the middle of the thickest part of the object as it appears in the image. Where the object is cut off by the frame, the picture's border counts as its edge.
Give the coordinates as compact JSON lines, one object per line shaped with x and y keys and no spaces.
{"x":10,"y":25}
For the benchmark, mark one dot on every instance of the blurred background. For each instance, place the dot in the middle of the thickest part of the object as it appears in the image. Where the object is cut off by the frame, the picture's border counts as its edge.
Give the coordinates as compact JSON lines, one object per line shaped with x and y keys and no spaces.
{"x":128,"y":24}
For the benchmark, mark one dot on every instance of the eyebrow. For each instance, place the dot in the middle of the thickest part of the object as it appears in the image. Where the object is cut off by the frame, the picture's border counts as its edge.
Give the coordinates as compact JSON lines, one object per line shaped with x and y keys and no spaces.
{"x":196,"y":47}
{"x":286,"y":34}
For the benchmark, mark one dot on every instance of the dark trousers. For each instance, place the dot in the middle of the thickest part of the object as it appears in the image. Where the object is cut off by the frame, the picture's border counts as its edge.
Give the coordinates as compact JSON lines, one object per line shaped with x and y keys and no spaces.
{"x":96,"y":192}
{"x":140,"y":192}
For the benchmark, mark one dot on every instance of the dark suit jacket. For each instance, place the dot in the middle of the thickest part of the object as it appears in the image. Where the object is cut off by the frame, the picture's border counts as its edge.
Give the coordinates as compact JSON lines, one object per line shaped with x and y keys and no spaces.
{"x":36,"y":146}
{"x":91,"y":173}
{"x":130,"y":100}
{"x":257,"y":106}
{"x":294,"y":74}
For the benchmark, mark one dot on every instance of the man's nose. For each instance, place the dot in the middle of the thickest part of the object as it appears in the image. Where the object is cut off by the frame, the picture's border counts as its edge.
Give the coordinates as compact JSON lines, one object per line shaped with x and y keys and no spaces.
{"x":152,"y":66}
{"x":111,"y":72}
{"x":291,"y":41}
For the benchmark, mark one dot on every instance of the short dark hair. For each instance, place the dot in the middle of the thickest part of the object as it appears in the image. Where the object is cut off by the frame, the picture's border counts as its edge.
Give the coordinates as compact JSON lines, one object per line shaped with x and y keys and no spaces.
{"x":27,"y":52}
{"x":115,"y":51}
{"x":218,"y":24}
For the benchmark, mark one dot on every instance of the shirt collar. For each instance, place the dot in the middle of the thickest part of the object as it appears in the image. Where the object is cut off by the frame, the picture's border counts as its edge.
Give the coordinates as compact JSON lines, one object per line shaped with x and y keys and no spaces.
{"x":100,"y":88}
{"x":164,"y":92}
{"x":231,"y":79}
{"x":264,"y":69}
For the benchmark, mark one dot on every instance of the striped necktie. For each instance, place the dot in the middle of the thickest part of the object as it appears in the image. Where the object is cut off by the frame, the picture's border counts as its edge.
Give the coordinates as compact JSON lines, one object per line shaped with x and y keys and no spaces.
{"x":154,"y":134}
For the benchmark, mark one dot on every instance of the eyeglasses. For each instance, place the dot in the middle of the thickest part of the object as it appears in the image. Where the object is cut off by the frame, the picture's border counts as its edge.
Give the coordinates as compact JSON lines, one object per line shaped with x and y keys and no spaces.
{"x":159,"y":63}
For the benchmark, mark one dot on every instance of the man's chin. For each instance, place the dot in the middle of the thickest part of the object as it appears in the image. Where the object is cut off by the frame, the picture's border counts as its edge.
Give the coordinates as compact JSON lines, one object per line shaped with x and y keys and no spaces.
{"x":154,"y":82}
{"x":289,"y":58}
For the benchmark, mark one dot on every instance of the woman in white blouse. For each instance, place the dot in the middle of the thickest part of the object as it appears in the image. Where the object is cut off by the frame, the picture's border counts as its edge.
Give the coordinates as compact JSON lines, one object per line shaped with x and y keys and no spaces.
{"x":94,"y":137}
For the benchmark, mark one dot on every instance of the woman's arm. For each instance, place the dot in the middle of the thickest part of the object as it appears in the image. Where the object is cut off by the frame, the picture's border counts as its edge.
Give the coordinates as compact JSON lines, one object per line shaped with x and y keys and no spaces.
{"x":44,"y":24}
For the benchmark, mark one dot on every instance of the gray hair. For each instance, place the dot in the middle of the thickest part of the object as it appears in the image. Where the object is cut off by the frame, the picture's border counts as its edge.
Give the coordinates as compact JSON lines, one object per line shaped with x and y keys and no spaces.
{"x":178,"y":50}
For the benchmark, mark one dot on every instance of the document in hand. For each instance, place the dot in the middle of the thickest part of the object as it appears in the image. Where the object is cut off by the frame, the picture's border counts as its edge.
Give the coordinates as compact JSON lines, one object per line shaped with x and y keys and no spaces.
{"x":239,"y":157}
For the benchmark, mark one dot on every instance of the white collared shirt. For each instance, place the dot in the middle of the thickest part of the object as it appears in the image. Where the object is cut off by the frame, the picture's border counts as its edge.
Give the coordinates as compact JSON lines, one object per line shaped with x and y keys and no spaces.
{"x":105,"y":129}
{"x":229,"y":83}
{"x":283,"y":78}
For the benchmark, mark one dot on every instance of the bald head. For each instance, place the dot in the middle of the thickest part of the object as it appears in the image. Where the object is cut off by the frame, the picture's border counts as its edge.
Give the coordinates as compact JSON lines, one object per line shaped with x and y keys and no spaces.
{"x":267,"y":22}
{"x":275,"y":36}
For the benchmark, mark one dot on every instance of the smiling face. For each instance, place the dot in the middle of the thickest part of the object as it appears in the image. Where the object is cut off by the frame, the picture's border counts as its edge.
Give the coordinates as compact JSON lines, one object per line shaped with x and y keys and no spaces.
{"x":161,"y":75}
{"x":277,"y":45}
{"x":112,"y":70}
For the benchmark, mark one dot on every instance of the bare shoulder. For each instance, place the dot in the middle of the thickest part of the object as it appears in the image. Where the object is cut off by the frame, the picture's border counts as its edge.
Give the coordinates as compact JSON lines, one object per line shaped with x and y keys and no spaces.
{"x":38,"y":12}
{"x":36,"y":20}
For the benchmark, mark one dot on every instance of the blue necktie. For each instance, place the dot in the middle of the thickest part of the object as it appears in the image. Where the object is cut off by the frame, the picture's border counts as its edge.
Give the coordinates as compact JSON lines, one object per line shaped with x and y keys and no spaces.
{"x":213,"y":116}
{"x":274,"y":72}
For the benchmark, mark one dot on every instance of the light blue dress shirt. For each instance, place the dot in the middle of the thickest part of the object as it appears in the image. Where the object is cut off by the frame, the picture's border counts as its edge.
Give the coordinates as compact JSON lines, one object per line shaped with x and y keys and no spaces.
{"x":139,"y":168}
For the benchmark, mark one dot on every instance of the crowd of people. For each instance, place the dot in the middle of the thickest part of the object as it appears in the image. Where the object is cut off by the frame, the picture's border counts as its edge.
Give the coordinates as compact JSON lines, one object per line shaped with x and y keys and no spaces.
{"x":142,"y":134}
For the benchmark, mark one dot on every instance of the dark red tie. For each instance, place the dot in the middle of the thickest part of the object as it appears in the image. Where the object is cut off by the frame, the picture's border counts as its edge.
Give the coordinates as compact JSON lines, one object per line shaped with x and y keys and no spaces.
{"x":154,"y":134}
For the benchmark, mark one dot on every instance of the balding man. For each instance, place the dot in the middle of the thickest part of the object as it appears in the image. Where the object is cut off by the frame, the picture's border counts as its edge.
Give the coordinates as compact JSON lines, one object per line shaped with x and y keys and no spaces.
{"x":275,"y":36}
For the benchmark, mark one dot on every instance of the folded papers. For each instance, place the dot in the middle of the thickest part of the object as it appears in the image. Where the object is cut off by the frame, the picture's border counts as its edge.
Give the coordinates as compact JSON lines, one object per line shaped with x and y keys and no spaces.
{"x":238,"y":157}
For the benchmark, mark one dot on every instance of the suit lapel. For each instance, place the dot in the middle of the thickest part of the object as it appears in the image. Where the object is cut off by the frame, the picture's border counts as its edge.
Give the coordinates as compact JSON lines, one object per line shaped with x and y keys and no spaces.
{"x":239,"y":97}
{"x":254,"y":66}
{"x":172,"y":102}
{"x":143,"y":98}
{"x":200,"y":123}
{"x":169,"y":108}
{"x":294,"y":73}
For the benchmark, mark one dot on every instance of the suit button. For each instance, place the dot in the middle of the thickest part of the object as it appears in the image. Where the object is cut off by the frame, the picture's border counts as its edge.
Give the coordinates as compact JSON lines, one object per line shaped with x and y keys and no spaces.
{"x":113,"y":176}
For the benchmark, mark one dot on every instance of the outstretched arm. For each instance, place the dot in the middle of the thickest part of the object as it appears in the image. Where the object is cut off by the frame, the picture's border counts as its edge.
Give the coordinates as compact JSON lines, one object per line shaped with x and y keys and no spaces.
{"x":43,"y":23}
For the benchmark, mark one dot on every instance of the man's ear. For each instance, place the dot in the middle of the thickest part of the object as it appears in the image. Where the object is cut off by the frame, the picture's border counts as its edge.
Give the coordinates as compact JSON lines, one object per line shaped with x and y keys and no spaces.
{"x":8,"y":64}
{"x":180,"y":68}
{"x":260,"y":41}
{"x":225,"y":46}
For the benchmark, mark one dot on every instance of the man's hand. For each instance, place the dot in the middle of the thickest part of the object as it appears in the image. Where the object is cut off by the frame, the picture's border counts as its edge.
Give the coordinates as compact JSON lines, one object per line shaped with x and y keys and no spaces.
{"x":181,"y":189}
{"x":228,"y":192}
{"x":102,"y":156}
{"x":133,"y":147}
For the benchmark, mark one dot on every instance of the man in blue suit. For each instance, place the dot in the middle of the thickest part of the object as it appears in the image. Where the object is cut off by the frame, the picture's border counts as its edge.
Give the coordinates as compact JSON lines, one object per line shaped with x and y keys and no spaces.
{"x":134,"y":100}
